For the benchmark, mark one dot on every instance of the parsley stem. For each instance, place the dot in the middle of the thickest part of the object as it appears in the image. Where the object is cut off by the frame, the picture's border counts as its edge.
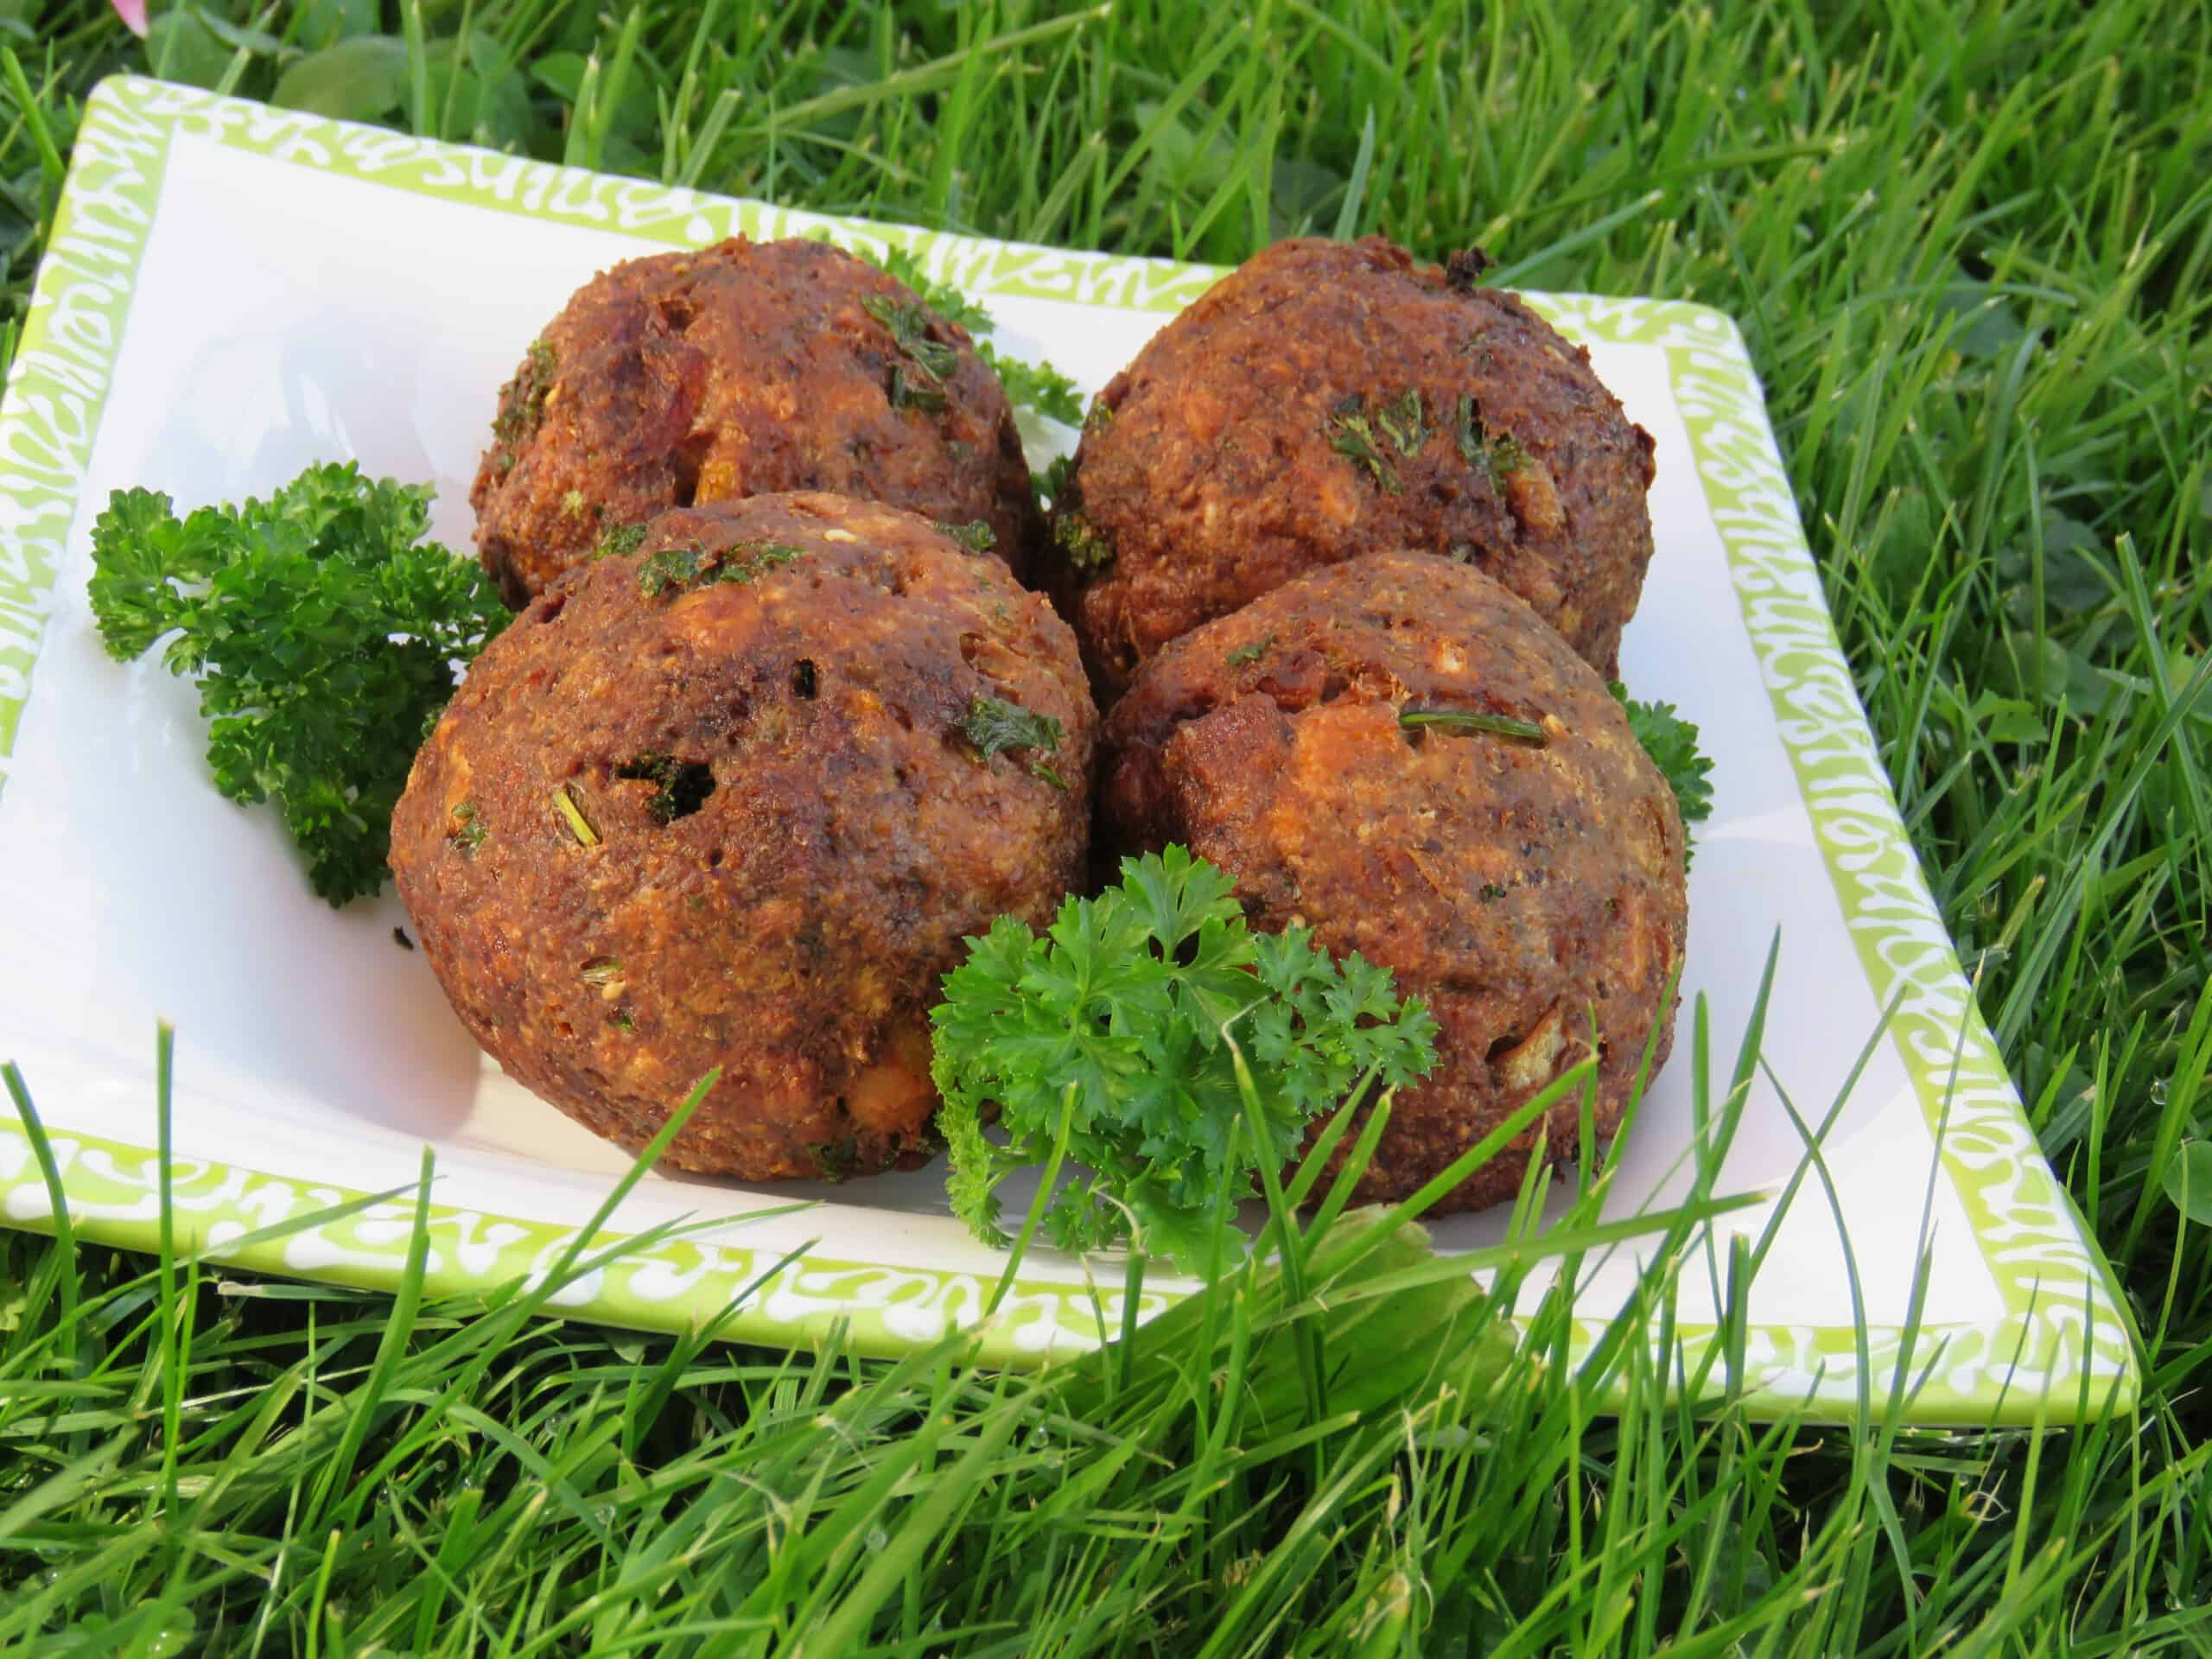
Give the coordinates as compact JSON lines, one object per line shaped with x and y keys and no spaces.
{"x":1461,"y":721}
{"x":578,"y":825}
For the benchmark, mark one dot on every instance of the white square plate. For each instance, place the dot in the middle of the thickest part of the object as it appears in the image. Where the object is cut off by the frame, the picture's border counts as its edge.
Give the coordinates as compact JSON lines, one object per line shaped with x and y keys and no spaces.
{"x":233,"y":292}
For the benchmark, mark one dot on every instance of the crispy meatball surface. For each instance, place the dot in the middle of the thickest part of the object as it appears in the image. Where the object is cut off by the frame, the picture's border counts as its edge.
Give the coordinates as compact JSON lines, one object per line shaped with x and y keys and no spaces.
{"x":711,"y":804}
{"x":1327,"y":399}
{"x":1524,"y":890}
{"x":738,"y":370}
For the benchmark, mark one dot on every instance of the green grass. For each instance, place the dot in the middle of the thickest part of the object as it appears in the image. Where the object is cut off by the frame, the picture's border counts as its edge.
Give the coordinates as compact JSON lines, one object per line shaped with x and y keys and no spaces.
{"x":1970,"y":249}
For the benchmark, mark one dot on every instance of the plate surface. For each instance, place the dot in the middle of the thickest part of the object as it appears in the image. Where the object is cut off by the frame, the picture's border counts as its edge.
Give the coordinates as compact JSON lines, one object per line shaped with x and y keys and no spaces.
{"x":232,"y":292}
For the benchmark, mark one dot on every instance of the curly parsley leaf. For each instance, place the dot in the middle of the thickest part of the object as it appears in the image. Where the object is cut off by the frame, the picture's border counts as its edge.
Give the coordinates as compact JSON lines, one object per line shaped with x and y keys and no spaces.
{"x":325,"y":634}
{"x":1671,"y":741}
{"x":1116,"y":1016}
{"x":1039,"y":385}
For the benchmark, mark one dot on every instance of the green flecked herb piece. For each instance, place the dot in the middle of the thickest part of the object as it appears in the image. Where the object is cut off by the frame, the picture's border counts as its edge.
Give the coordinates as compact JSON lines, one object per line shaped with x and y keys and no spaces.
{"x":670,"y":568}
{"x":836,"y":1160}
{"x":681,"y":569}
{"x":1490,"y":890}
{"x":909,"y":322}
{"x":906,"y":392}
{"x":1251,"y":653}
{"x":1465,"y":721}
{"x":1494,"y":454}
{"x":976,"y":536}
{"x":1405,"y":423}
{"x":522,"y":400}
{"x":1039,"y":770}
{"x":992,"y":725}
{"x":681,"y":788}
{"x":1352,"y":435}
{"x":565,"y":803}
{"x":620,"y":1020}
{"x":1086,"y":551}
{"x":600,"y":970}
{"x":754,"y":560}
{"x":469,"y":832}
{"x":1099,"y":416}
{"x":620,"y":542}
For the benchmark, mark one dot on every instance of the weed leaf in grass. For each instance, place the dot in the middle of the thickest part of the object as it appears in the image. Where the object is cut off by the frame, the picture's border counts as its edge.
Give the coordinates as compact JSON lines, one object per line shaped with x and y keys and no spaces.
{"x":2188,"y":1181}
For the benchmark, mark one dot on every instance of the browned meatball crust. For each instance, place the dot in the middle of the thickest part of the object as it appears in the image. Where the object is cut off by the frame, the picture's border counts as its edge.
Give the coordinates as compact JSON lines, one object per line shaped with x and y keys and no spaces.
{"x":1327,"y":399}
{"x":737,"y":370}
{"x":710,"y":805}
{"x":1524,"y":891}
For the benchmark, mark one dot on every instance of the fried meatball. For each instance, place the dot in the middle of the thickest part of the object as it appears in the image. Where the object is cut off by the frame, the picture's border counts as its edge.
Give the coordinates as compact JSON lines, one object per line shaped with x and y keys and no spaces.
{"x":1328,"y":398}
{"x":717,"y":802}
{"x":738,"y":370}
{"x":1527,"y":890}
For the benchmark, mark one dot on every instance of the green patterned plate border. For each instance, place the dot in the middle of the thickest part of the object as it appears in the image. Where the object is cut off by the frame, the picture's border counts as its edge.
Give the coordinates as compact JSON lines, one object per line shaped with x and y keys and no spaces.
{"x":2064,"y":1338}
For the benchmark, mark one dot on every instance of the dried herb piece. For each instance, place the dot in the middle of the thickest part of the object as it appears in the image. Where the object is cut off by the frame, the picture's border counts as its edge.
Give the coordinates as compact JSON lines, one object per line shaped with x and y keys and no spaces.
{"x":1351,"y":436}
{"x":620,"y":542}
{"x":468,"y":832}
{"x":1463,"y":721}
{"x":579,"y":826}
{"x":1405,"y":423}
{"x":755,"y":560}
{"x":976,"y":536}
{"x":670,"y":568}
{"x":992,"y":726}
{"x":909,"y":322}
{"x":522,"y":400}
{"x":1251,"y":653}
{"x":1494,"y":454}
{"x":1085,"y":549}
{"x":905,"y":391}
{"x":836,"y":1160}
{"x":681,"y":788}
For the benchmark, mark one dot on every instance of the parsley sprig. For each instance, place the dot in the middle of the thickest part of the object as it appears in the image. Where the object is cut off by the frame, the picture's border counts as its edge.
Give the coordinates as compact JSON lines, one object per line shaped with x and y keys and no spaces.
{"x":1109,"y":1038}
{"x":325,"y":636}
{"x":1671,"y":741}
